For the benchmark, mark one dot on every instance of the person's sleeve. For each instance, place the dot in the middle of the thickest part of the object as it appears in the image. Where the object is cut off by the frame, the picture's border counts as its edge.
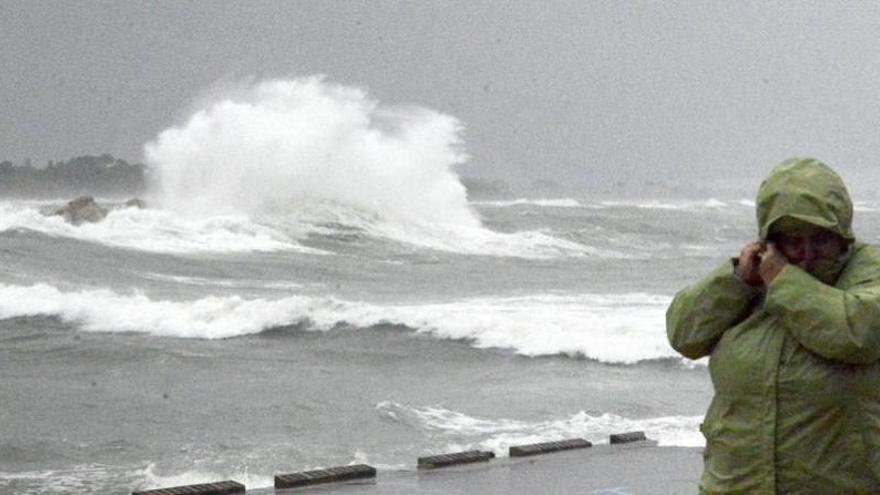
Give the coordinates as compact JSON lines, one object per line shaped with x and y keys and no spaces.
{"x":837,"y":324}
{"x":700,"y":314}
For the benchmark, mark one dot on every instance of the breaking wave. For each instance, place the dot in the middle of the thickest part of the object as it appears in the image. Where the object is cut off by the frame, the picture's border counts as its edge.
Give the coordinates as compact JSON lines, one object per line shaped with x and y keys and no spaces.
{"x":163,"y":231}
{"x":306,"y":150}
{"x":619,"y":328}
{"x":498,"y":434}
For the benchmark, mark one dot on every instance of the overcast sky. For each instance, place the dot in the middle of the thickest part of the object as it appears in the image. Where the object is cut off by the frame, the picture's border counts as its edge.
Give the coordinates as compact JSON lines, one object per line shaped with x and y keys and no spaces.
{"x":585,"y":92}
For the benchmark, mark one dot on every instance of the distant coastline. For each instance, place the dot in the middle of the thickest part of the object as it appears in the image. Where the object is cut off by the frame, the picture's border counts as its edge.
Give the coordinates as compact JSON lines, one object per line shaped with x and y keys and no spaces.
{"x":101,"y":175}
{"x":107,"y":176}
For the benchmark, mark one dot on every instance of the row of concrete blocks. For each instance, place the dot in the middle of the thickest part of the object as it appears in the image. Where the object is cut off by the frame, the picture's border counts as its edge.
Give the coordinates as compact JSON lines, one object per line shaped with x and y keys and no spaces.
{"x":363,"y":471}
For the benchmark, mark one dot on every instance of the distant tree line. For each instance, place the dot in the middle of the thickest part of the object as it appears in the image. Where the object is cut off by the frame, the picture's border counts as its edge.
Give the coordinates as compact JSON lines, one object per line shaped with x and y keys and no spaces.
{"x":101,"y":175}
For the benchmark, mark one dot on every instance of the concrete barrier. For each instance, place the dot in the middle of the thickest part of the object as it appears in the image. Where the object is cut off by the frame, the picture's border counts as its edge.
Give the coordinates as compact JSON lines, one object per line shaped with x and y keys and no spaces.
{"x":444,"y":460}
{"x":363,"y":471}
{"x":219,"y":488}
{"x":632,"y":436}
{"x":320,"y":476}
{"x":547,"y":447}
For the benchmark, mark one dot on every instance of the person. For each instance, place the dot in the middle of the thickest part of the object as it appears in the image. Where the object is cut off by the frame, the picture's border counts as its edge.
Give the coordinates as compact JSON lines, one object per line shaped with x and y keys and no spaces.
{"x":792,"y":330}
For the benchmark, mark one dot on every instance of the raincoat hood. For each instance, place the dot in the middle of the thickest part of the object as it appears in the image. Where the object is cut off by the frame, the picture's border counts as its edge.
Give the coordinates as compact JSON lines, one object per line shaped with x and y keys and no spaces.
{"x":806,"y":190}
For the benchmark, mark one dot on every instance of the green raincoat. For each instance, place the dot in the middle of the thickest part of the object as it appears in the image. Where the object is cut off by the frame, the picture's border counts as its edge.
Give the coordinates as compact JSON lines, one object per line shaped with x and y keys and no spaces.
{"x":794,"y":366}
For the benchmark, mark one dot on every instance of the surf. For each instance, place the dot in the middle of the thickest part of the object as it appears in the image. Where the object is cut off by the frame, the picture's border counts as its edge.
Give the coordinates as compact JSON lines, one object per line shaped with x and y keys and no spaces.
{"x":310,"y":153}
{"x":612,"y":328}
{"x":497,"y":434}
{"x":155,"y":230}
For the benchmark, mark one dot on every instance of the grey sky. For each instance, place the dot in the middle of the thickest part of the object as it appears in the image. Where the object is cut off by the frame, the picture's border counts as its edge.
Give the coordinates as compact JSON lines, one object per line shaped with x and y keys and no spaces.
{"x":585,"y":92}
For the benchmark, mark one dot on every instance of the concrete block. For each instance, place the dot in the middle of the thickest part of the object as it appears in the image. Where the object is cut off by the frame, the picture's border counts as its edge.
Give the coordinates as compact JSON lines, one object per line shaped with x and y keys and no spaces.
{"x":444,"y":460}
{"x":632,"y":436}
{"x":330,"y":475}
{"x":547,"y":447}
{"x":219,"y":488}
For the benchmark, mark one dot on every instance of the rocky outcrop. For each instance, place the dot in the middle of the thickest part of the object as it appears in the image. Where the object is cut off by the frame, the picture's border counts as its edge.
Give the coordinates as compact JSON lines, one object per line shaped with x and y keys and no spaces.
{"x":82,"y":209}
{"x":85,"y":209}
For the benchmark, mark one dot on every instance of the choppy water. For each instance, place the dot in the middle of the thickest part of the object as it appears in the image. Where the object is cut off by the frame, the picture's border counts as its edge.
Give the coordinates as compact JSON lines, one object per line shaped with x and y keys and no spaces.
{"x":134,"y":355}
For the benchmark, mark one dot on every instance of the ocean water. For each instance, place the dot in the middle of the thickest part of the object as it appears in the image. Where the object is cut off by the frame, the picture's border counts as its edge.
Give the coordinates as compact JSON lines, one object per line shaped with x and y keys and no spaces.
{"x":331,"y":296}
{"x":134,"y":356}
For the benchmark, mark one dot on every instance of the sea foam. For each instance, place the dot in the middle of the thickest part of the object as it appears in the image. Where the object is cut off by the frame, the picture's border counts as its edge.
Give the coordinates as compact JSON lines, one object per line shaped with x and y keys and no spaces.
{"x":156,"y":231}
{"x":498,"y":434}
{"x":616,"y":328}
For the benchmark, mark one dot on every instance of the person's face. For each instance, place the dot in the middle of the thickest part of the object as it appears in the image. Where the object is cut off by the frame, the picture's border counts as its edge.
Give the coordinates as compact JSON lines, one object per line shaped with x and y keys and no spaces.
{"x":804,"y":247}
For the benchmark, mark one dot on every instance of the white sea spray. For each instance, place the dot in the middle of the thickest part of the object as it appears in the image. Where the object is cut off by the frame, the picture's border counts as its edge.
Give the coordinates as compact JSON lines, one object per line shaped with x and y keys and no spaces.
{"x":311,"y":152}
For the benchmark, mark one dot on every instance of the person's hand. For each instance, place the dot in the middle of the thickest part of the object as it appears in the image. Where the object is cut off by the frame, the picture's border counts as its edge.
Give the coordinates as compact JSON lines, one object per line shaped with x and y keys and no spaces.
{"x":772,"y":262}
{"x":749,"y":262}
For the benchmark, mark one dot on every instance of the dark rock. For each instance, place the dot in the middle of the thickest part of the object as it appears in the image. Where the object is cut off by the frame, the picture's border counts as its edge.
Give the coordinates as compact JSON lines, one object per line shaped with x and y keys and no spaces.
{"x":82,"y":209}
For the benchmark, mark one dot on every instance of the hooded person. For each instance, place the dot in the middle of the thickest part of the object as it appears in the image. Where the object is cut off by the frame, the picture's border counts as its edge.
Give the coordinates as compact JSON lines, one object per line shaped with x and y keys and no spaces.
{"x":792,"y":331}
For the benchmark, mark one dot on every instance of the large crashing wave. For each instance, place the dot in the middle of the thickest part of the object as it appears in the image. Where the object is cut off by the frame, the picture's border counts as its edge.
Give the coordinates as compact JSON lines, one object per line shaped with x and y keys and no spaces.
{"x":282,"y":143}
{"x":323,"y":154}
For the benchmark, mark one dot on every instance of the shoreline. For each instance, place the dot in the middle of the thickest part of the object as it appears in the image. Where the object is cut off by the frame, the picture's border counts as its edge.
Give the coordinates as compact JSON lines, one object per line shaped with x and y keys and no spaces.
{"x":641,"y":468}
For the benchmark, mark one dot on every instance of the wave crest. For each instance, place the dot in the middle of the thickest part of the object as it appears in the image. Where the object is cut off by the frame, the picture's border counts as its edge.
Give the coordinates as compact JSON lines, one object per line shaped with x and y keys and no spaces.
{"x":623,"y":328}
